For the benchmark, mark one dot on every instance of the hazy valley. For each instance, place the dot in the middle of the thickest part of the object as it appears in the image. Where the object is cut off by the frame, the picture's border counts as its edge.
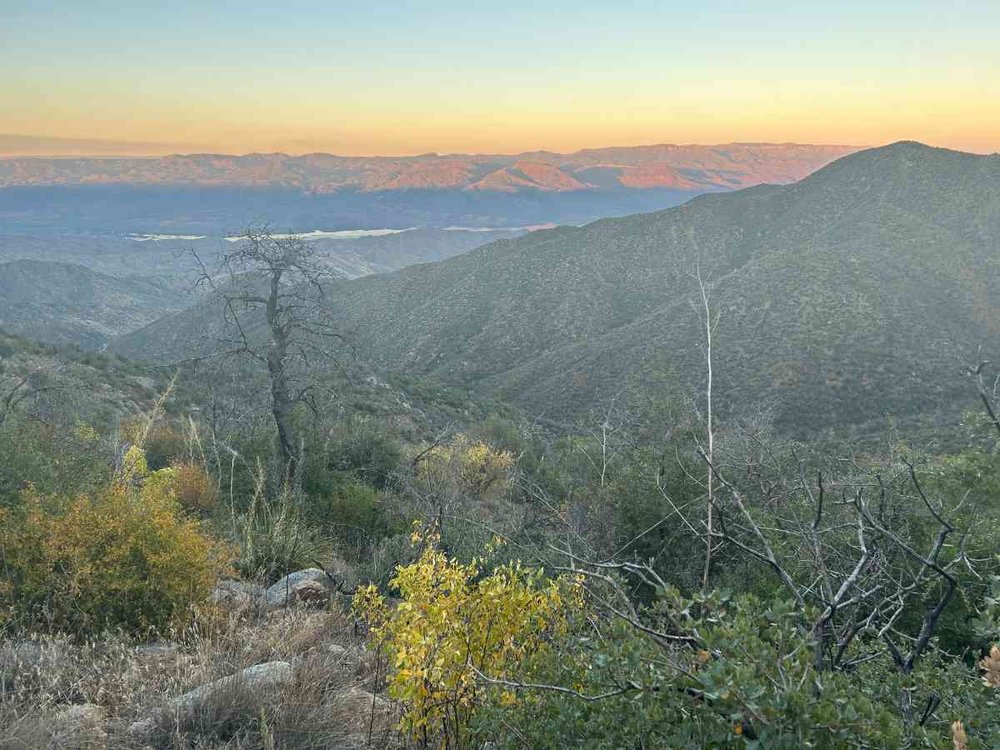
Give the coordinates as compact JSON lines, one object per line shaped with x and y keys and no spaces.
{"x":212,"y":193}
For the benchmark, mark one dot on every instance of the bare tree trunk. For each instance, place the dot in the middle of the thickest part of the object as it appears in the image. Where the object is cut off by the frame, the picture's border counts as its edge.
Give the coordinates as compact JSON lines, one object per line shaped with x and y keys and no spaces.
{"x":292,"y":309}
{"x":710,"y":436}
{"x":282,"y":403}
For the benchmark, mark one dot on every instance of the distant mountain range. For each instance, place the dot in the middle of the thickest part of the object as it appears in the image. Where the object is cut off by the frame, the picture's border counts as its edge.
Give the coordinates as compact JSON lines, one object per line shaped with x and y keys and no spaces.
{"x":217,"y":193}
{"x":688,"y":168}
{"x":856,"y":293}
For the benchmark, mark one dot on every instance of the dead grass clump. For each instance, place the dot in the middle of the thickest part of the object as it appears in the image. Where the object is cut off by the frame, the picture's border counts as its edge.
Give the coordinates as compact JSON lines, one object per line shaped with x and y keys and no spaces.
{"x":56,"y":693}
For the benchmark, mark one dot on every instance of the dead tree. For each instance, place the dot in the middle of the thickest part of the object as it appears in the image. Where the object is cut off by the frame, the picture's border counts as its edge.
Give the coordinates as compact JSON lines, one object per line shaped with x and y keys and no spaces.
{"x":21,"y":389}
{"x":609,"y":435}
{"x":272,"y":289}
{"x":709,"y":321}
{"x":850,"y":572}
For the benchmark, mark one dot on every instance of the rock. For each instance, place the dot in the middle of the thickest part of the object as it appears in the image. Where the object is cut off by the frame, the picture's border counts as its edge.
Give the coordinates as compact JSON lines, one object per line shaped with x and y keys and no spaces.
{"x":81,"y":727}
{"x":238,"y":594}
{"x":284,"y":592}
{"x":259,"y":680}
{"x":311,"y":593}
{"x":374,"y":716}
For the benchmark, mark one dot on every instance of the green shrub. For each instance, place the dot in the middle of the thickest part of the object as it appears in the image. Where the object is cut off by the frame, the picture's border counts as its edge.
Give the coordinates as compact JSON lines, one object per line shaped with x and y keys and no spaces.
{"x":746,"y":679}
{"x":54,"y":459}
{"x":353,"y":515}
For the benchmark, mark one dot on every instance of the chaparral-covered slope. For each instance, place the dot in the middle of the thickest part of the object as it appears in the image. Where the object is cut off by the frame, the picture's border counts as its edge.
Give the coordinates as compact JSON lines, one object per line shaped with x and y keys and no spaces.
{"x":857,"y":292}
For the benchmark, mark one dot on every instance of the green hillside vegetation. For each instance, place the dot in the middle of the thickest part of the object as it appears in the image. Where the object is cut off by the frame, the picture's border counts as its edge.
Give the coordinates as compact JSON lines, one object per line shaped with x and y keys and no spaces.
{"x":562,"y":571}
{"x":860,"y":291}
{"x":857,"y":293}
{"x":63,"y":303}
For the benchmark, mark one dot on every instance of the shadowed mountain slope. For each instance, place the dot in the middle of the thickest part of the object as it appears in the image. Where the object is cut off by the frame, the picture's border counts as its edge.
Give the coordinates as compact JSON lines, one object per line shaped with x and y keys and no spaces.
{"x":859,"y":291}
{"x":65,"y":303}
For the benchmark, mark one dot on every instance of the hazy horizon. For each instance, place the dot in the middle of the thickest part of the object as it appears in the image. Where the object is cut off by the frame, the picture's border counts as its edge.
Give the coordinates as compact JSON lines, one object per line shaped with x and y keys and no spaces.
{"x":416,"y":77}
{"x":16,"y":145}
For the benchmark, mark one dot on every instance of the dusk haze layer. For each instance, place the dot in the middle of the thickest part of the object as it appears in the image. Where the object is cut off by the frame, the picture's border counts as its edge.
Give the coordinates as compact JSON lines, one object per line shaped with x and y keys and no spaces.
{"x":395,"y":78}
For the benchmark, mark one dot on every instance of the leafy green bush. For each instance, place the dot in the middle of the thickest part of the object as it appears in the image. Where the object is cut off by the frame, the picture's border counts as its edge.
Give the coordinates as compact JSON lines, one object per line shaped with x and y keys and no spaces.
{"x":51,"y":458}
{"x":740,"y":674}
{"x":358,"y":450}
{"x":352,"y":514}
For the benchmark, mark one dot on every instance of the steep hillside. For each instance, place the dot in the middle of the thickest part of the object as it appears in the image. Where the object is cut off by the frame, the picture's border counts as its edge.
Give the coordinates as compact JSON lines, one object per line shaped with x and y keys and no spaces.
{"x":66,"y":303}
{"x":63,"y":385}
{"x":857,"y":292}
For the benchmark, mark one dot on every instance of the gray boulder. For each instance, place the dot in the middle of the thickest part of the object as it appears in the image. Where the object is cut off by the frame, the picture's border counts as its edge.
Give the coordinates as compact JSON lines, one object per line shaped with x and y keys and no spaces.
{"x":301,"y":585}
{"x":258,"y":680}
{"x":238,"y":594}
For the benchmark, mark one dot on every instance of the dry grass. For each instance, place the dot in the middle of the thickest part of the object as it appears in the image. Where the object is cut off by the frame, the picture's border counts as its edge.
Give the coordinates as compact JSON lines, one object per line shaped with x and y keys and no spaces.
{"x":77,"y":696}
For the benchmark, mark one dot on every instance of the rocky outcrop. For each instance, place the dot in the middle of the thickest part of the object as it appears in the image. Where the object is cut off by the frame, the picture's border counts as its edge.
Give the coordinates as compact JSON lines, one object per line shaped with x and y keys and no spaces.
{"x":238,"y":594}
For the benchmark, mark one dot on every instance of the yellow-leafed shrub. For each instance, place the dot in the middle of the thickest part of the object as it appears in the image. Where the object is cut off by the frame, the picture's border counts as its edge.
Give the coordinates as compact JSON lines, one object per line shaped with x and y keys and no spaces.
{"x":126,"y":557}
{"x":470,"y":468}
{"x":454,"y":627}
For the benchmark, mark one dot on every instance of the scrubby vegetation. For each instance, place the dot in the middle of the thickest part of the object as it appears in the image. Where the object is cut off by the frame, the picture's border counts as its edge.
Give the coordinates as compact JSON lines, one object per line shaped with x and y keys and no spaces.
{"x":126,"y":558}
{"x":552,"y":595}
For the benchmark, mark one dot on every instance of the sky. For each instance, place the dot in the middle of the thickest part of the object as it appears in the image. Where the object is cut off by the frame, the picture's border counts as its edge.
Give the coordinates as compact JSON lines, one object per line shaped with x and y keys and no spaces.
{"x":354,"y":77}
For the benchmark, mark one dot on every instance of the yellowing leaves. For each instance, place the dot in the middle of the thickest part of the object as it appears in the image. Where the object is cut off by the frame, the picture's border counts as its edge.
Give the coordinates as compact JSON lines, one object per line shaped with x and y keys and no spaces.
{"x":472,"y":468}
{"x":454,"y":625}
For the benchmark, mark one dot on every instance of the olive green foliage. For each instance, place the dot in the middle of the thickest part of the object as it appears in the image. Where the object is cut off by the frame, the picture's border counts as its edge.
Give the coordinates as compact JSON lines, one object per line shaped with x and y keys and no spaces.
{"x":125,"y":557}
{"x":745,"y":678}
{"x":53,"y":458}
{"x":353,"y":514}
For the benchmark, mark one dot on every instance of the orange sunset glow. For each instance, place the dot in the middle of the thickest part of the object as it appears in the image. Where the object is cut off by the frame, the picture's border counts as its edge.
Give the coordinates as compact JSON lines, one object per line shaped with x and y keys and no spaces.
{"x":467,"y":78}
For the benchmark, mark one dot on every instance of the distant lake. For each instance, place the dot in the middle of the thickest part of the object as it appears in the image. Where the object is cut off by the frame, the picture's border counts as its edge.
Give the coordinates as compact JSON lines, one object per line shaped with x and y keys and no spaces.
{"x":340,"y":234}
